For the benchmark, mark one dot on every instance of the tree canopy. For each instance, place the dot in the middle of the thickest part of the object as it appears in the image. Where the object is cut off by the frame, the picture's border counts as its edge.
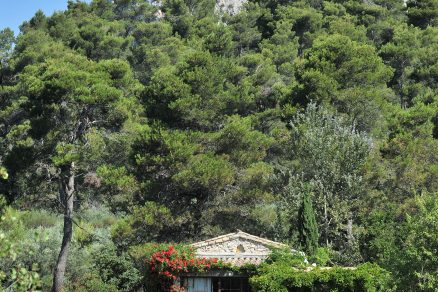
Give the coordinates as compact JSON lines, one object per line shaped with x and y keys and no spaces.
{"x":314,"y":123}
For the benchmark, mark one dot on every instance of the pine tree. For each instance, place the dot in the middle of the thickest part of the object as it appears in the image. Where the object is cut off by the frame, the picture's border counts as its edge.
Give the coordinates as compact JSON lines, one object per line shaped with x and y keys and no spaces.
{"x":308,"y":229}
{"x":422,"y":13}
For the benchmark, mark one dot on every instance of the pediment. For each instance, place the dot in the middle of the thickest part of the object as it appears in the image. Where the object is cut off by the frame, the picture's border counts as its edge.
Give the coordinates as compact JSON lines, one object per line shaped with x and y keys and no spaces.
{"x":237,"y":247}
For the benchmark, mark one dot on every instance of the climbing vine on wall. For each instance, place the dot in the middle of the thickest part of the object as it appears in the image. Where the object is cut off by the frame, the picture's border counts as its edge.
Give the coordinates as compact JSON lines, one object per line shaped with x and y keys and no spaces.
{"x":282,"y":271}
{"x":165,"y":263}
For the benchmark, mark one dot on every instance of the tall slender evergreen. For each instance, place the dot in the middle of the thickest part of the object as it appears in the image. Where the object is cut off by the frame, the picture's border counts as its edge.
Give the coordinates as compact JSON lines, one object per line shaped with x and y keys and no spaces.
{"x":308,"y":228}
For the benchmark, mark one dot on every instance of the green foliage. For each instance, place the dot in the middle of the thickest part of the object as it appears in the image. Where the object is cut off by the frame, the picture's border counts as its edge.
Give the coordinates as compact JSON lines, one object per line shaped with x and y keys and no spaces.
{"x":3,"y":173}
{"x":423,"y":13}
{"x":329,"y":155}
{"x":348,"y":75}
{"x":115,"y":269}
{"x":93,"y":283}
{"x":404,"y":242}
{"x":6,"y":43}
{"x":35,"y":236}
{"x":14,"y":275}
{"x":185,"y":122}
{"x":367,"y":277}
{"x":308,"y":228}
{"x":284,"y":271}
{"x":321,"y":257}
{"x":145,"y":223}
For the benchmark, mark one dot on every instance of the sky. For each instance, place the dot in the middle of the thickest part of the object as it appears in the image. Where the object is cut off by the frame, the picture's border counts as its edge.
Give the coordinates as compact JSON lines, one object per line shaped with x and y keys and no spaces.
{"x":14,"y":12}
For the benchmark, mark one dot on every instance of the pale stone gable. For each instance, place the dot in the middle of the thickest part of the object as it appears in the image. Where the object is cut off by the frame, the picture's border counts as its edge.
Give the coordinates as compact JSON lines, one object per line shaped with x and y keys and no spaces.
{"x":237,"y":248}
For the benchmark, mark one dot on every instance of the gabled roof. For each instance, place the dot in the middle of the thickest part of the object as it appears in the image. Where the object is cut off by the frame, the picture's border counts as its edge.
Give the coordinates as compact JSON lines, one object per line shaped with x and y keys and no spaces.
{"x":237,"y":248}
{"x":239,"y":235}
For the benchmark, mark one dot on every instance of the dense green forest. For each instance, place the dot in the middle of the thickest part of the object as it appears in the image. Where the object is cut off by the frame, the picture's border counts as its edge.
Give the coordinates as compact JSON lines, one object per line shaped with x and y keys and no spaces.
{"x":309,"y":122}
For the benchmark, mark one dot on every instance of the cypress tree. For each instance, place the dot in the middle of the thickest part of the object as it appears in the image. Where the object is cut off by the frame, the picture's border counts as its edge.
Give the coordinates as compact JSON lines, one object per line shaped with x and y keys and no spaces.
{"x":308,"y":229}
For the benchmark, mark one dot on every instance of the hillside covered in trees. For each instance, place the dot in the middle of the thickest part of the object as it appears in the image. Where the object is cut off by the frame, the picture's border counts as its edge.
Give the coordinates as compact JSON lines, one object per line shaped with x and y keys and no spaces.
{"x":124,"y":122}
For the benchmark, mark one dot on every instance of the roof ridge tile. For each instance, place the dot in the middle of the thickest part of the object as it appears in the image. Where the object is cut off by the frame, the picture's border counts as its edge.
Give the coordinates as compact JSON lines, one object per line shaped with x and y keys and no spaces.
{"x":241,"y":234}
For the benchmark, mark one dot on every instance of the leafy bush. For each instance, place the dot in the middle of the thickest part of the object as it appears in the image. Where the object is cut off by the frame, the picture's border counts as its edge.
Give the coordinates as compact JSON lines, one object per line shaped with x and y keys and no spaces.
{"x":92,"y":283}
{"x":36,"y":236}
{"x":321,"y":256}
{"x":116,"y":269}
{"x":288,"y":272}
{"x":39,"y":218}
{"x":14,"y":275}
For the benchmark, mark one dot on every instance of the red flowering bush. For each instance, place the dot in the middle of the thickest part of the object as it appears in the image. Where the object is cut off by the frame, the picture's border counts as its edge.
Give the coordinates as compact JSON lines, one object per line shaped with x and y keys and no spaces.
{"x":166,"y":263}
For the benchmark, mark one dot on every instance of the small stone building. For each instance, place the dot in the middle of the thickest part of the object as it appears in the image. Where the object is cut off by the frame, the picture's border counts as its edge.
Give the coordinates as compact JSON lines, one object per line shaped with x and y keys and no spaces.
{"x":237,"y":248}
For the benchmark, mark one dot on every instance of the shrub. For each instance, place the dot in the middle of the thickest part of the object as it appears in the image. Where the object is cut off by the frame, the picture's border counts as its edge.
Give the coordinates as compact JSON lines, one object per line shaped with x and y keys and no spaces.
{"x":39,"y":218}
{"x":116,"y":269}
{"x":321,"y":256}
{"x":91,"y":283}
{"x":284,"y":274}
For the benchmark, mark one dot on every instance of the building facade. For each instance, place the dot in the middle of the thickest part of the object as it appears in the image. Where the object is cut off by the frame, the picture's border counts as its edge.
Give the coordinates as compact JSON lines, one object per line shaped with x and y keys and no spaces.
{"x":238,"y":249}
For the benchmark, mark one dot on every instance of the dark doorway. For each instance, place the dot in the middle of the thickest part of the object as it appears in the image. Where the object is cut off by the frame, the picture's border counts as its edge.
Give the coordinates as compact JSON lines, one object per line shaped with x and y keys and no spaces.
{"x":231,"y":284}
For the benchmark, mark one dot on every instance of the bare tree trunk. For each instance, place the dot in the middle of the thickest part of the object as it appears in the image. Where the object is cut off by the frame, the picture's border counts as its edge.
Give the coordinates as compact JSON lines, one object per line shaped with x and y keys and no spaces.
{"x":66,"y":190}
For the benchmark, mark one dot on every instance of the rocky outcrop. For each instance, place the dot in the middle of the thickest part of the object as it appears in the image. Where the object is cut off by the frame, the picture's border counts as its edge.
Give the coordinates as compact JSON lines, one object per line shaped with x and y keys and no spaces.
{"x":222,"y":6}
{"x":229,"y":6}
